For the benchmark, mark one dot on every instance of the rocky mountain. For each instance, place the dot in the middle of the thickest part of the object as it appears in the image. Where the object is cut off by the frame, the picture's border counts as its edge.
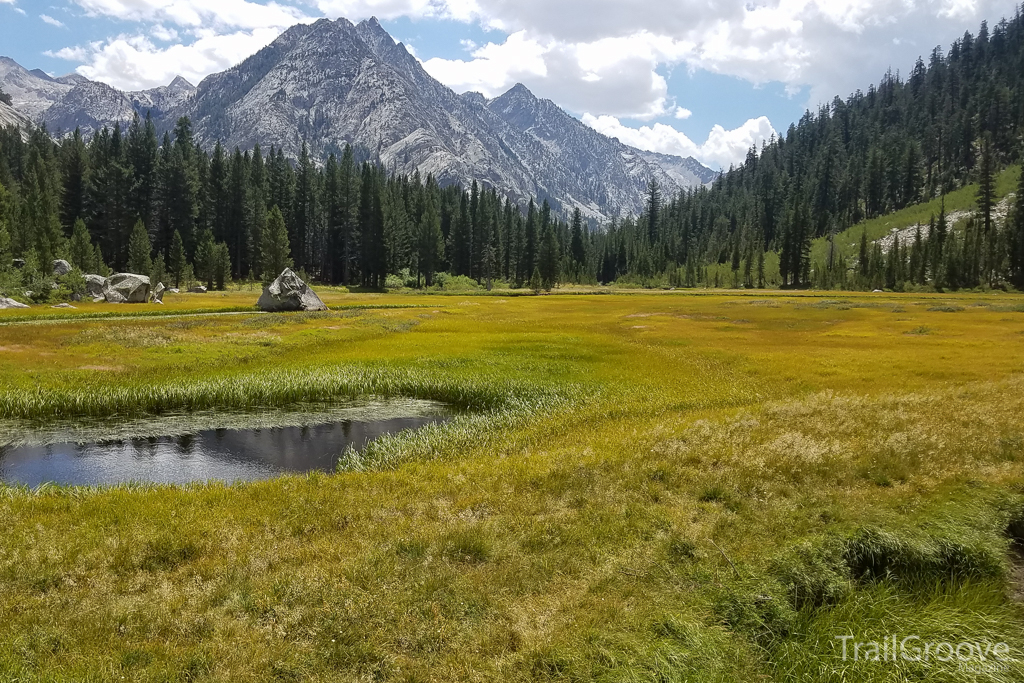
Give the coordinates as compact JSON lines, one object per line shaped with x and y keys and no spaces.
{"x":74,"y":101}
{"x":334,"y":83}
{"x":9,"y":116}
{"x":686,"y":172}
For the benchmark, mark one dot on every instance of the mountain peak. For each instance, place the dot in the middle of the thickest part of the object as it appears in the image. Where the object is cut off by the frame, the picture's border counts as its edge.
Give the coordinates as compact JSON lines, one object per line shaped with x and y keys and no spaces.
{"x":520,"y":90}
{"x":180,"y":83}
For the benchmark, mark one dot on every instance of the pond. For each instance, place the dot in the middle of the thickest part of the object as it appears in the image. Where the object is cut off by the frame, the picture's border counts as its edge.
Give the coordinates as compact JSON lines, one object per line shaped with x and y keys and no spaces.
{"x":207,"y":446}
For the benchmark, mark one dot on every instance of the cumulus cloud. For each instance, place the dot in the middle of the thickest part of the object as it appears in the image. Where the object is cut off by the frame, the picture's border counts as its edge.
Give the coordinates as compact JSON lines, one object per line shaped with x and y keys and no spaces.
{"x":615,"y":76}
{"x":207,"y":14}
{"x":206,"y":37}
{"x":721,"y":149}
{"x":135,"y":63}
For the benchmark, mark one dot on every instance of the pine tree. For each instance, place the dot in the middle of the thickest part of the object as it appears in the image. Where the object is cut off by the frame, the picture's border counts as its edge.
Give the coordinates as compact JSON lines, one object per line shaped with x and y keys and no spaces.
{"x":177,"y":260}
{"x":158,"y":275}
{"x":5,"y":246}
{"x":275,"y":248}
{"x":430,"y":243}
{"x":205,"y":264}
{"x":81,"y":249}
{"x":1016,"y":237}
{"x":578,"y":250}
{"x":986,"y":204}
{"x":548,"y":257}
{"x":221,"y":265}
{"x":75,"y":177}
{"x":140,"y":260}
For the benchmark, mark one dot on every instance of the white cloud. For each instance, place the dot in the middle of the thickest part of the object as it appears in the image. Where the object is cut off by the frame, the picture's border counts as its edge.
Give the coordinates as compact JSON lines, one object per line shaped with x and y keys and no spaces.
{"x":219,"y":35}
{"x":722,"y":148}
{"x":198,"y":14}
{"x":161,"y":32}
{"x":51,"y":21}
{"x":613,"y":76}
{"x":683,"y":113}
{"x":135,"y":63}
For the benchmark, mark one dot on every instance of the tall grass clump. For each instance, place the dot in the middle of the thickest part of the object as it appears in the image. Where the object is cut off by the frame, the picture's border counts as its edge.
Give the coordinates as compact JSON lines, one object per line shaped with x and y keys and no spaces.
{"x":270,"y":389}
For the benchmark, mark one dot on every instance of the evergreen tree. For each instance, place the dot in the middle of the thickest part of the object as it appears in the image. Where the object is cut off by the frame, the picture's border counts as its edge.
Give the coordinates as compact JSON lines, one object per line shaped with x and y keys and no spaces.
{"x":275,"y":248}
{"x":5,"y":246}
{"x":578,"y":250}
{"x":81,"y":250}
{"x":221,"y":265}
{"x":1016,"y":237}
{"x":75,"y":177}
{"x":177,"y":259}
{"x":205,"y":260}
{"x":549,"y":256}
{"x":430,"y":243}
{"x":140,"y":260}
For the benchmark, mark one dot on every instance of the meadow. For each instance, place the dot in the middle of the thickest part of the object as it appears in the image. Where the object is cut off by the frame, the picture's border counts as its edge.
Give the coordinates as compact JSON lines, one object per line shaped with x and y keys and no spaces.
{"x":639,"y":486}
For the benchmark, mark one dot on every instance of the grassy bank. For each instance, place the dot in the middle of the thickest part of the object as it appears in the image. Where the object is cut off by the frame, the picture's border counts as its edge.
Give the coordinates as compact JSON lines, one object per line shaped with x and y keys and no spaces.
{"x":646,"y":487}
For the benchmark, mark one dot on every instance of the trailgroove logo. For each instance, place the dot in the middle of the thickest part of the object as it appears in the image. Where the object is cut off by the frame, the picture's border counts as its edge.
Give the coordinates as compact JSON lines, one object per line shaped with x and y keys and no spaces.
{"x":976,"y":657}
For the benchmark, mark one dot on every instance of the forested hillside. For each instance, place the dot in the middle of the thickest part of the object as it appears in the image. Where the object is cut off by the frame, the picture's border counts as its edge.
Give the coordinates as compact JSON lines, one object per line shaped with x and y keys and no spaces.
{"x":127,"y":200}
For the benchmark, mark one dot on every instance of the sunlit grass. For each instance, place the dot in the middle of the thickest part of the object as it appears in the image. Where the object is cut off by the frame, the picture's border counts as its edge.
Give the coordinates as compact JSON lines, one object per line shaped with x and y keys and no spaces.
{"x":641,"y":487}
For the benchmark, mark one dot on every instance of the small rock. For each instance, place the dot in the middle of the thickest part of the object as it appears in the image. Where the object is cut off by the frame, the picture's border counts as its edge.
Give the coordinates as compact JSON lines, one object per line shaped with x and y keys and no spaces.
{"x":10,"y":303}
{"x":18,"y":263}
{"x":158,"y":293}
{"x":99,"y":299}
{"x":61,"y":267}
{"x":174,"y":290}
{"x":62,"y":306}
{"x":877,"y":291}
{"x":198,"y":289}
{"x":289,"y":293}
{"x":76,"y":297}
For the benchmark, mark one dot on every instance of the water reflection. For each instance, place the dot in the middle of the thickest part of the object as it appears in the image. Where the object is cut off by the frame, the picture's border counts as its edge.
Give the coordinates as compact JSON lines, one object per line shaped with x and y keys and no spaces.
{"x":216,"y":454}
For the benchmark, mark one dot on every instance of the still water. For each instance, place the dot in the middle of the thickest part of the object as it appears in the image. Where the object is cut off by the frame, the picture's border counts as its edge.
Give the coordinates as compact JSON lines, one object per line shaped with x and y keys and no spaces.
{"x":192,"y":449}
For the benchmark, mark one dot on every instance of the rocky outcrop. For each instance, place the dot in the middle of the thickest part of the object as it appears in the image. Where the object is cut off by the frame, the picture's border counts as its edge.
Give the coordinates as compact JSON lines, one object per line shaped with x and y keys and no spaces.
{"x":95,"y":285}
{"x":289,"y":293}
{"x":158,"y":293}
{"x":61,"y":267}
{"x":10,"y":303}
{"x":127,"y":288}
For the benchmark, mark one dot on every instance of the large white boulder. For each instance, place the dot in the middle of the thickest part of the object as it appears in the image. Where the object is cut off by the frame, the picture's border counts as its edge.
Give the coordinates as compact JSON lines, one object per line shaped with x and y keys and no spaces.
{"x":289,"y":293}
{"x":127,"y":288}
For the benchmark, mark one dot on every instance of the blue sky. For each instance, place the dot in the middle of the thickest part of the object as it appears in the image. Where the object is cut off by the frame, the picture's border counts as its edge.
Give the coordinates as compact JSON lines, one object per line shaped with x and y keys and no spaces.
{"x":683,"y":77}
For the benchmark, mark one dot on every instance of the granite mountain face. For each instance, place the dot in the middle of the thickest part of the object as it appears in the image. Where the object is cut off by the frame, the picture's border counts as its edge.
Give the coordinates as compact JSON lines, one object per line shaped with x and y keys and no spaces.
{"x":334,"y":83}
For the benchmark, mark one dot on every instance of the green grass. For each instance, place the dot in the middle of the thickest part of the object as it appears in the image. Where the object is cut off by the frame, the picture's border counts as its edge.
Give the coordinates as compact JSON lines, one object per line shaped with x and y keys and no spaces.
{"x":639,"y":487}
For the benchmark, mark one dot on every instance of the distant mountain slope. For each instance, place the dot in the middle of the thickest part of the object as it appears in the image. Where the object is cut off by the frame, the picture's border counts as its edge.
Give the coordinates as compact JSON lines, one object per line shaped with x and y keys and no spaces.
{"x":334,"y":83}
{"x":74,"y":101}
{"x":9,"y":116}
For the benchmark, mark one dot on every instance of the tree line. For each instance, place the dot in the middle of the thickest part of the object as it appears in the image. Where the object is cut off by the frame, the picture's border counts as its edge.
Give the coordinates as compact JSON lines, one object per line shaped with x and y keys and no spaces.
{"x":126,"y":200}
